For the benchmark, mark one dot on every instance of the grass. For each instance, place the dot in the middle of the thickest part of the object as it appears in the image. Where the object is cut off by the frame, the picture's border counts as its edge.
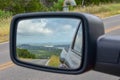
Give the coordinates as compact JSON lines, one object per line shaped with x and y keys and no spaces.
{"x":103,"y":10}
{"x":4,"y":29}
{"x":54,"y":61}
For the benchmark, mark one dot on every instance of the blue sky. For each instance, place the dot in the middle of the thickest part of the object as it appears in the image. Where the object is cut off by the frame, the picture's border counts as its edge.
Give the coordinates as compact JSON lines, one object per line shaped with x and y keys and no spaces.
{"x":46,"y":30}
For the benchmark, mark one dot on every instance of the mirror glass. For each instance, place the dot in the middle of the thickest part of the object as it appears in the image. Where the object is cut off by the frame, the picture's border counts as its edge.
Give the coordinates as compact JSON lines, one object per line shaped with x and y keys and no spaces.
{"x":51,"y":42}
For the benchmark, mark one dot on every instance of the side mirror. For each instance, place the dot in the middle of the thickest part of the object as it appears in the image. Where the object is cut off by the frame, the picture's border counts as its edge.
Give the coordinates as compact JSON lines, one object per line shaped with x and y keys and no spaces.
{"x":55,"y":42}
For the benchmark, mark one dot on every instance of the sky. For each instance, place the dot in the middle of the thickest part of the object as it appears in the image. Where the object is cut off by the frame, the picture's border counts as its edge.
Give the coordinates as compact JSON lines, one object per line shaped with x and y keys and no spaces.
{"x":46,"y":30}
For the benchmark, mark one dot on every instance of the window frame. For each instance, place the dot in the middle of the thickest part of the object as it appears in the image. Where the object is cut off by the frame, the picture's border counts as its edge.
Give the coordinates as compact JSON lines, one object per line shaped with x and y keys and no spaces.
{"x":74,"y":40}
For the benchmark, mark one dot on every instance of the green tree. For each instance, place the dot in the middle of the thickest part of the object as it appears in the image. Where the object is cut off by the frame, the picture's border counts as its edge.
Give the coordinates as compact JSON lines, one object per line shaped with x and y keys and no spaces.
{"x":57,"y":6}
{"x":5,"y":4}
{"x":24,"y":53}
{"x":79,"y":2}
{"x":34,"y":6}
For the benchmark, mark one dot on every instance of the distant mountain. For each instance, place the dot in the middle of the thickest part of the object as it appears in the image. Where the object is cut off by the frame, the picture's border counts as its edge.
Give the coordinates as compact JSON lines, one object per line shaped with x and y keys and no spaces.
{"x":45,"y":47}
{"x":46,"y":43}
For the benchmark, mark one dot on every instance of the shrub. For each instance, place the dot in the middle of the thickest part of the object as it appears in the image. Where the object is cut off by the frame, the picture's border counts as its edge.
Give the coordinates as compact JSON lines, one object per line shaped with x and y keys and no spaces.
{"x":79,"y":2}
{"x":24,"y":53}
{"x":54,"y":61}
{"x":34,"y":6}
{"x":5,"y":14}
{"x":57,"y":6}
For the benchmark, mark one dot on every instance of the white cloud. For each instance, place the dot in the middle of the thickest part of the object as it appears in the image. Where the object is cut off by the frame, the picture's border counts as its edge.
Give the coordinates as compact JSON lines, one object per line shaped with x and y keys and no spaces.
{"x":28,"y":27}
{"x":67,"y":27}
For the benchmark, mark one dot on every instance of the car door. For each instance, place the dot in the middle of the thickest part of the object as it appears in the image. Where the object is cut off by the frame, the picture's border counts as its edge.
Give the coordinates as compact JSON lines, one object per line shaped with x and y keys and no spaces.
{"x":73,"y":57}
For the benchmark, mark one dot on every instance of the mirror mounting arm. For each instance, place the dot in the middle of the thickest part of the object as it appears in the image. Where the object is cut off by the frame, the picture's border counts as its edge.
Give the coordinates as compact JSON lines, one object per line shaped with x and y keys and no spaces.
{"x":108,"y":54}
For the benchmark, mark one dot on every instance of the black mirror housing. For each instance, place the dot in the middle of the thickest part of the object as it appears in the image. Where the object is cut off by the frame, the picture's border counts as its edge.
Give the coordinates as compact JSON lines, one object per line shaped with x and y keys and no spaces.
{"x":92,"y":28}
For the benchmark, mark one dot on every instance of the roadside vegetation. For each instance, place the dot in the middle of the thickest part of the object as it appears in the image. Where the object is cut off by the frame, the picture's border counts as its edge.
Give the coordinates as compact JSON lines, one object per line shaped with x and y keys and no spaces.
{"x":38,"y":53}
{"x":5,"y":18}
{"x":54,"y":61}
{"x":25,"y":54}
{"x":8,"y":8}
{"x":102,"y":10}
{"x":51,"y":56}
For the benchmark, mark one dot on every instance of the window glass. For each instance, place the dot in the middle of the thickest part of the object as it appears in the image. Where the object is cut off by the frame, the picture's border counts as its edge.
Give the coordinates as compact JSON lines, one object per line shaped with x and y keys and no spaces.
{"x":78,"y":41}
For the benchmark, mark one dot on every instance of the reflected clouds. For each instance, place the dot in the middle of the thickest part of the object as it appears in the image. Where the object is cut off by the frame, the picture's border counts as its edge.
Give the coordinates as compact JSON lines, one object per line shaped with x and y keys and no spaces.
{"x":43,"y":30}
{"x":29,"y":27}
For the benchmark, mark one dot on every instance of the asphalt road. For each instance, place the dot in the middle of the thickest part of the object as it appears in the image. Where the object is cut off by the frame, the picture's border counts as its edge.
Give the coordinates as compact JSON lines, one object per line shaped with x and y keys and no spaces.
{"x":38,"y":61}
{"x":4,"y":53}
{"x":15,"y":72}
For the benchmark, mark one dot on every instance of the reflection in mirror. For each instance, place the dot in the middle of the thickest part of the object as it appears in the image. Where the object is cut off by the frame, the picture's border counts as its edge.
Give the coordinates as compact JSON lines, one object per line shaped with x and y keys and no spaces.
{"x":48,"y":42}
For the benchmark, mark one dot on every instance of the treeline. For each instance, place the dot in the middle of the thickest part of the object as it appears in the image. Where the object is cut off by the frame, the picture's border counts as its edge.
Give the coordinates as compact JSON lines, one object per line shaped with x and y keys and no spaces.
{"x":24,"y":53}
{"x":24,"y":6}
{"x":37,"y":54}
{"x":21,"y":6}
